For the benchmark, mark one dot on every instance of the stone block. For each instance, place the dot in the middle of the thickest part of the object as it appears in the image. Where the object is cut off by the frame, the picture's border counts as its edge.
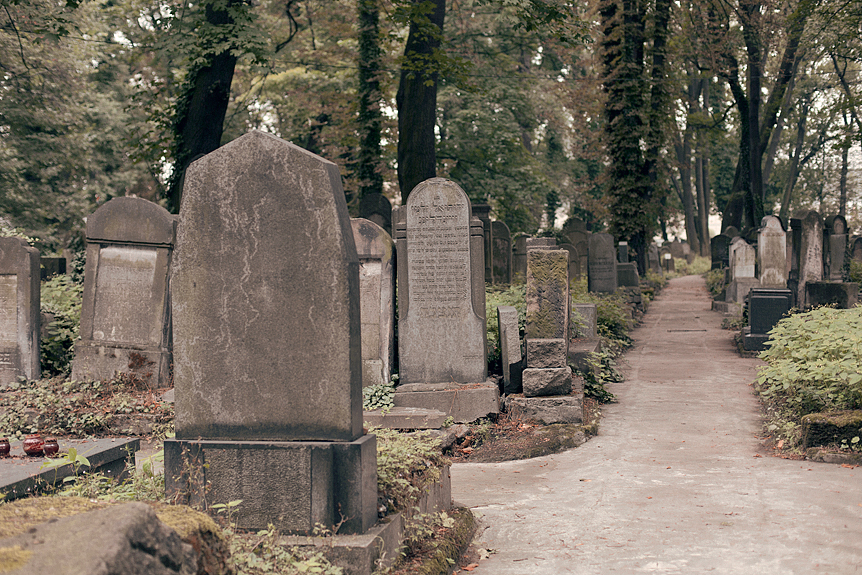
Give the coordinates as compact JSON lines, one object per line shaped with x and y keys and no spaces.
{"x":580,"y":352}
{"x":542,"y":353}
{"x":754,"y":341}
{"x":547,"y":294}
{"x":843,"y":295}
{"x":627,"y":275}
{"x":510,"y":342}
{"x":548,"y":410}
{"x":548,"y":381}
{"x":541,"y":243}
{"x":585,"y":324}
{"x":766,"y":308}
{"x":293,"y":484}
{"x":831,"y":427}
{"x":52,"y":266}
{"x":19,"y":311}
{"x":463,"y":403}
{"x":406,"y":418}
{"x":739,"y":288}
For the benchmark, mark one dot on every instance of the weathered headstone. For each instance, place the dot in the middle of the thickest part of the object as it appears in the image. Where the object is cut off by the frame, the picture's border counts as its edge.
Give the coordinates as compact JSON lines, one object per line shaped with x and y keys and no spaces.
{"x":574,"y":261}
{"x":623,"y":252}
{"x":627,"y":275}
{"x":586,"y":321}
{"x":856,"y":249}
{"x":378,"y":209}
{"x":602,"y":267}
{"x":653,"y":259}
{"x":483,"y":212}
{"x":265,"y":289}
{"x":772,"y":253}
{"x":376,"y":252}
{"x":841,"y":295}
{"x":19,"y":311}
{"x":742,"y":270}
{"x":441,"y":304}
{"x":810,"y":253}
{"x":834,"y":247}
{"x":510,"y":347}
{"x":519,"y":258}
{"x":720,"y":251}
{"x":676,"y":249}
{"x":125,"y":311}
{"x":502,"y":252}
{"x":541,"y":243}
{"x":575,"y":231}
{"x":52,"y":266}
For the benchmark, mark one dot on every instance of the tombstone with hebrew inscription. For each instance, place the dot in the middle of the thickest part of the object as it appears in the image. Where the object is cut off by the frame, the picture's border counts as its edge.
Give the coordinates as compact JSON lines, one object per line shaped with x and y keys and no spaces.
{"x":441,"y":333}
{"x":19,"y":311}
{"x":125,"y":312}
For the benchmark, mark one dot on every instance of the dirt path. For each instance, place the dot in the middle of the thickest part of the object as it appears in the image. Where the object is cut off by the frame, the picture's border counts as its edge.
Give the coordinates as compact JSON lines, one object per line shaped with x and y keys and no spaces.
{"x":675,"y":481}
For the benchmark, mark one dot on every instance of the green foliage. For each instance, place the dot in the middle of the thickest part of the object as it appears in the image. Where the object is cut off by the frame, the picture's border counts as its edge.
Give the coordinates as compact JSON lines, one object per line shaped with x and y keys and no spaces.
{"x":699,"y":266}
{"x":715,"y":281}
{"x":379,"y":396}
{"x":406,"y":464}
{"x":613,"y":318}
{"x":496,"y":295}
{"x":61,"y":297}
{"x":813,"y":365}
{"x":855,"y":271}
{"x":602,"y":370}
{"x":262,"y":554}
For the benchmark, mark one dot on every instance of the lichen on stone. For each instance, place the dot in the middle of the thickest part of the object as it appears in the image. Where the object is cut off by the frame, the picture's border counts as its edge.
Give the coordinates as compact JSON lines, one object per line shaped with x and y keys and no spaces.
{"x":14,"y":557}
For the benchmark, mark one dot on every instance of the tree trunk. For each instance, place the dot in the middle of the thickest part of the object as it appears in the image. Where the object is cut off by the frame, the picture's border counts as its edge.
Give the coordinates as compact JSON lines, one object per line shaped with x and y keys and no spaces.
{"x":703,"y":197}
{"x":794,"y":165}
{"x":201,"y":108}
{"x":369,"y":168}
{"x":416,"y":101}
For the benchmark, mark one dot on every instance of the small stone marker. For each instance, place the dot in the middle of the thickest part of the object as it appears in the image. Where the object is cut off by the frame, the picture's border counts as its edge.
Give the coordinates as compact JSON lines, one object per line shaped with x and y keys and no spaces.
{"x":125,"y":311}
{"x":765,"y":308}
{"x":676,"y":249}
{"x":52,"y":266}
{"x":574,"y":261}
{"x":653,"y":259}
{"x":856,"y":249}
{"x":267,"y":342}
{"x":623,"y":251}
{"x":19,"y":311}
{"x":742,"y":269}
{"x":519,"y":258}
{"x":378,"y":209}
{"x":602,"y":267}
{"x":483,"y":212}
{"x":376,"y":252}
{"x":810,"y":253}
{"x":586,"y":321}
{"x":772,"y":253}
{"x":510,"y":347}
{"x":501,"y":255}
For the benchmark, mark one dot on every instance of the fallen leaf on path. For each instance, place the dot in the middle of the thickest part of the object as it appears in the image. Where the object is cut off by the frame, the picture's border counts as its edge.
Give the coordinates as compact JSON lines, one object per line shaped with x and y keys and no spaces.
{"x":848,"y":466}
{"x":649,"y":497}
{"x":471,"y":566}
{"x":757,"y":455}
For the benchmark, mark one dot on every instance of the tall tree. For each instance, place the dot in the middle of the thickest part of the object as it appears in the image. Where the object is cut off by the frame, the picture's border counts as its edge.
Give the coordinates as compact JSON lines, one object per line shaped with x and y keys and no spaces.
{"x":370,"y":119}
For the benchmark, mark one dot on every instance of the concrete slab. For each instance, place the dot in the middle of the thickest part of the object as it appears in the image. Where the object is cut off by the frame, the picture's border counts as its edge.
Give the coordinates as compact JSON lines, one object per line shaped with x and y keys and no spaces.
{"x":462,"y":402}
{"x":21,"y":475}
{"x":675,"y":482}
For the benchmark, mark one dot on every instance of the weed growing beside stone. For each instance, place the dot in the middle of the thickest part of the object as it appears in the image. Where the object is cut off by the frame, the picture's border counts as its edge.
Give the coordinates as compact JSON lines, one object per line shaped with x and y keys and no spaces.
{"x":813,"y":367}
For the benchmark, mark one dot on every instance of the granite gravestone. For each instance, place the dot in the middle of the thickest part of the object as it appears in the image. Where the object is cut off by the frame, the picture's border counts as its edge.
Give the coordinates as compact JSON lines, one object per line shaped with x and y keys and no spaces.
{"x":510,"y":347}
{"x":810,"y":253}
{"x":623,"y":252}
{"x":483,"y":212}
{"x":501,"y":255}
{"x":19,"y":311}
{"x":378,"y":209}
{"x":519,"y":258}
{"x":772,"y":253}
{"x":653,"y":259}
{"x":125,"y":310}
{"x":441,"y":328}
{"x":602,"y":266}
{"x":834,"y":248}
{"x":376,"y":252}
{"x":574,"y":261}
{"x":765,"y":308}
{"x":575,"y":231}
{"x":856,"y":249}
{"x":720,"y":251}
{"x":742,"y":270}
{"x":265,"y":289}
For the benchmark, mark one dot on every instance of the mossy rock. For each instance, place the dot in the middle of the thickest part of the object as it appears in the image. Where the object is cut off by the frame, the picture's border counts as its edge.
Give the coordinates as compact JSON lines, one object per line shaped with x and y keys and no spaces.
{"x":452,"y":545}
{"x":195,"y":528}
{"x":831,"y":427}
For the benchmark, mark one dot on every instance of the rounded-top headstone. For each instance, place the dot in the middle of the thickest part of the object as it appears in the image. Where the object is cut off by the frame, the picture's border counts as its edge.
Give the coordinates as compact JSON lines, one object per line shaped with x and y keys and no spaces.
{"x":772,"y":223}
{"x":836,"y":225}
{"x":265,"y":291}
{"x":132,"y":220}
{"x":378,"y":209}
{"x":371,"y":239}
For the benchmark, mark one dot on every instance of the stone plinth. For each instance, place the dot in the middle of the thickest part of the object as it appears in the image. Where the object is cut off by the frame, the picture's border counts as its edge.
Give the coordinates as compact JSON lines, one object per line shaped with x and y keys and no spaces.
{"x":19,"y":311}
{"x":125,"y":310}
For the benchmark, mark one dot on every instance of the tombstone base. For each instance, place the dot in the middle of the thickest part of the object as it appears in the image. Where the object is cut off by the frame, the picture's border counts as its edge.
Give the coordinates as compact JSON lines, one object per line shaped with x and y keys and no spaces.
{"x":739,"y":288}
{"x":405,"y":418}
{"x":293,"y":485}
{"x":97,"y":361}
{"x":548,"y":410}
{"x":463,"y":402}
{"x":755,"y":341}
{"x":549,"y":381}
{"x":727,"y":308}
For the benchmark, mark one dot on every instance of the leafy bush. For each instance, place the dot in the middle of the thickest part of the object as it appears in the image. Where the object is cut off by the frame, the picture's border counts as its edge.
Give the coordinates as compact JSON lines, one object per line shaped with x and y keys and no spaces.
{"x":814,"y":364}
{"x":854,"y":273}
{"x":61,"y":297}
{"x":715,"y":281}
{"x":602,"y":370}
{"x":406,"y":463}
{"x":699,"y":266}
{"x":612,"y":315}
{"x":379,"y":396}
{"x":513,"y":295}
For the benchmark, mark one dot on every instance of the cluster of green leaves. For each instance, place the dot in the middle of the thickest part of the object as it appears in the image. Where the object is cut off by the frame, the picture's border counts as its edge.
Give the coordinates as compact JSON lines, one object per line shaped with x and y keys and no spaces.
{"x":379,"y":396}
{"x":612,"y":315}
{"x":699,"y":266}
{"x":602,"y":370}
{"x":813,"y":366}
{"x":262,"y":554}
{"x":854,"y":271}
{"x":61,"y":297}
{"x":496,"y":295}
{"x":715,"y":281}
{"x":406,"y":464}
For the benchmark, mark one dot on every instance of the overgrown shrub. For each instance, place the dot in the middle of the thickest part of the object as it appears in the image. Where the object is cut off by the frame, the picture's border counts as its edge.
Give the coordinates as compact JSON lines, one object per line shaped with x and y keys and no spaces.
{"x":715,"y":281}
{"x":612,"y":315}
{"x":699,"y":266}
{"x":61,"y":297}
{"x":814,"y":364}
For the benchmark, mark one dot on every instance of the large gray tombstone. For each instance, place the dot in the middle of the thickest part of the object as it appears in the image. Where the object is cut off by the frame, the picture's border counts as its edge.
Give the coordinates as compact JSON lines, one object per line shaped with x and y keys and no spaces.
{"x":125,"y":312}
{"x":378,"y":209}
{"x":441,"y":331}
{"x":501,"y":257}
{"x":376,"y":252}
{"x":810,"y":253}
{"x":602,"y":266}
{"x":265,"y":289}
{"x":834,"y":248}
{"x":19,"y":311}
{"x":772,"y":253}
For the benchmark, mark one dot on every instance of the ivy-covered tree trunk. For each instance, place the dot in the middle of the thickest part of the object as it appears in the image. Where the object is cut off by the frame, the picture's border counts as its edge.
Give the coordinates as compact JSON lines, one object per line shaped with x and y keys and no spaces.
{"x":416,"y":99}
{"x":202,"y":104}
{"x":370,"y":120}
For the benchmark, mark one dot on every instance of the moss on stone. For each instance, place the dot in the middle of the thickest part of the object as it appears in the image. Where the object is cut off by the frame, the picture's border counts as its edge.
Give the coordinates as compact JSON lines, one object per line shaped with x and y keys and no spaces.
{"x":451,"y":545}
{"x":20,"y":515}
{"x":831,"y":427}
{"x":12,"y":558}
